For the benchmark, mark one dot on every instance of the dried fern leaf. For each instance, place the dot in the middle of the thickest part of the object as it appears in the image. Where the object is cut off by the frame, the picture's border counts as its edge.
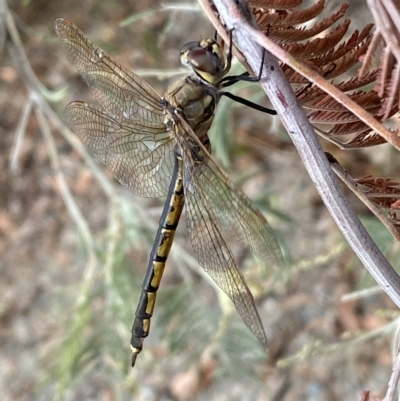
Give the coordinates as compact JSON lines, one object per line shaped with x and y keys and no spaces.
{"x":265,"y":18}
{"x":318,"y":46}
{"x":330,"y":58}
{"x":291,"y":34}
{"x":354,"y":128}
{"x":368,"y":100}
{"x":364,"y":140}
{"x":277,"y":4}
{"x":383,"y":199}
{"x":337,"y":117}
{"x":344,"y":63}
{"x":313,"y":94}
{"x":358,"y":82}
{"x":383,"y":191}
{"x":344,"y":57}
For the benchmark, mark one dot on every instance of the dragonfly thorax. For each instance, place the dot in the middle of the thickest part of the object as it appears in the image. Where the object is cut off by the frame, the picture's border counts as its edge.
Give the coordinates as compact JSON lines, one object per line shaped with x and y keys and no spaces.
{"x":206,"y":59}
{"x":195,"y":101}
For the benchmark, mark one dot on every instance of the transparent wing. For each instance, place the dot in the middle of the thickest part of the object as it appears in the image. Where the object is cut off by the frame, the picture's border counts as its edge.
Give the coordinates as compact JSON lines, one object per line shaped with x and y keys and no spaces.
{"x":120,"y":92}
{"x":130,"y":136}
{"x":140,"y":156}
{"x":216,"y":211}
{"x":228,"y":206}
{"x":217,"y":260}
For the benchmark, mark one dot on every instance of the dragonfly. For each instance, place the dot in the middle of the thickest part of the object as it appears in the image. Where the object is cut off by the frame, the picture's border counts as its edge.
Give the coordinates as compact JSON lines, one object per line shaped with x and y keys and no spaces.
{"x":158,"y":146}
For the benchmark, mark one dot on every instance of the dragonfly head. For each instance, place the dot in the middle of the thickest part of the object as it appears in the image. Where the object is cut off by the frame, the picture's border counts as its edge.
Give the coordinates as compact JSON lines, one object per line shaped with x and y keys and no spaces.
{"x":206,"y":58}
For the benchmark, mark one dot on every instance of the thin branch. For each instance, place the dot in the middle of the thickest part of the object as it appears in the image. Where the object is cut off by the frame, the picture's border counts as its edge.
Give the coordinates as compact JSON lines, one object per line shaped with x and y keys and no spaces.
{"x":19,"y":136}
{"x":394,"y":378}
{"x":361,"y":294}
{"x":21,"y":60}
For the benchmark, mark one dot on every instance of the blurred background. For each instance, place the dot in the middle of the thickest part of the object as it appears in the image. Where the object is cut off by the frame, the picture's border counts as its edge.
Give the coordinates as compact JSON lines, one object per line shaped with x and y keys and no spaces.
{"x":74,"y":244}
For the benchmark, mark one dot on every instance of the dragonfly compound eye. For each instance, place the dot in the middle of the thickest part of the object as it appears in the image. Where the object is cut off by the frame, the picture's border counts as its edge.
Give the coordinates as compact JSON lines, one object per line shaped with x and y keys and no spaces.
{"x":206,"y":64}
{"x":188,"y":47}
{"x":206,"y":58}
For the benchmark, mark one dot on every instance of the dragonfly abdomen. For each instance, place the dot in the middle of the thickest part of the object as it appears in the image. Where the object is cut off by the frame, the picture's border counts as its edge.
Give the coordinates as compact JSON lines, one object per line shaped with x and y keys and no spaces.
{"x":165,"y":235}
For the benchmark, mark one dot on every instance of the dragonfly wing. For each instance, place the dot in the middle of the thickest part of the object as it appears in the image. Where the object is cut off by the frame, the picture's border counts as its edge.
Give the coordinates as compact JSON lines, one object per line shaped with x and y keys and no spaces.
{"x":228,"y":206}
{"x":119,"y":91}
{"x":216,"y":211}
{"x":215,"y":256}
{"x":140,"y":156}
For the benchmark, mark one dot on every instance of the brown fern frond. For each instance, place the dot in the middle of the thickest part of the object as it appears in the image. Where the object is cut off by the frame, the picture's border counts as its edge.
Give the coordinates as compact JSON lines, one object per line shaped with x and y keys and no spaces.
{"x":385,"y":194}
{"x":326,"y":110}
{"x":358,"y":81}
{"x":331,"y":56}
{"x":381,"y":195}
{"x":354,"y":128}
{"x":344,"y":63}
{"x":366,"y":99}
{"x":318,"y":46}
{"x":336,"y":116}
{"x":313,"y":94}
{"x":369,"y":100}
{"x":356,"y":40}
{"x":289,"y":34}
{"x":365,"y":139}
{"x":275,"y":4}
{"x":336,"y":60}
{"x":265,"y":18}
